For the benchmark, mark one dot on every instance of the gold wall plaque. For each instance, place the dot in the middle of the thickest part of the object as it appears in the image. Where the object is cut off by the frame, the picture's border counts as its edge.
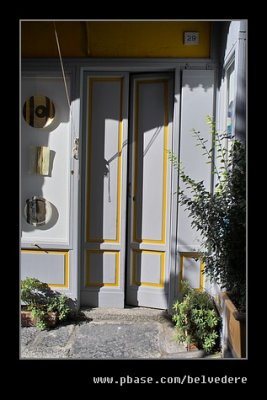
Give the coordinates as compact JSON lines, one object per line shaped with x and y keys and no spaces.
{"x":38,"y":111}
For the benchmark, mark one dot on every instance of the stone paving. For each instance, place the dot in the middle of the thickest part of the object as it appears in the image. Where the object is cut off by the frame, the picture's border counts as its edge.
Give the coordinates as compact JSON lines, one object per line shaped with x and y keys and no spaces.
{"x":134,"y":333}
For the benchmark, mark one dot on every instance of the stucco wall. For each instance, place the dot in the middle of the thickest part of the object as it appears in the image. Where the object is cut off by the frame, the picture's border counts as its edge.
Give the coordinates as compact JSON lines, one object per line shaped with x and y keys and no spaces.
{"x":114,"y":39}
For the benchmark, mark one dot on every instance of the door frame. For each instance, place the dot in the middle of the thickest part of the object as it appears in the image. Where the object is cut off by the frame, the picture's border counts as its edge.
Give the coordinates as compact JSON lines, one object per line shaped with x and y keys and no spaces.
{"x":78,"y":68}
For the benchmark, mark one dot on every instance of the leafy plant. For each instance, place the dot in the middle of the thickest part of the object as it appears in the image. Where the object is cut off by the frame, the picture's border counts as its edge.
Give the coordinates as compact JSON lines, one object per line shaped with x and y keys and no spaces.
{"x":40,"y":316}
{"x":220,"y":216}
{"x":196,"y":319}
{"x":41,"y":301}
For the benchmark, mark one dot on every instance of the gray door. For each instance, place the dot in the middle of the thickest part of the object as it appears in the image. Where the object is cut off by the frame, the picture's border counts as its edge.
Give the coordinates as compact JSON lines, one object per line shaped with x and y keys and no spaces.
{"x":105,"y":154}
{"x":149,"y":191}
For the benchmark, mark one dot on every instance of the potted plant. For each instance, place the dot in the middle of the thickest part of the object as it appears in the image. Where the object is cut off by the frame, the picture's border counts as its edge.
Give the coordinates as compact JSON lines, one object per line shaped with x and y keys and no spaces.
{"x":220,"y":217}
{"x":196,"y":320}
{"x":43,"y":307}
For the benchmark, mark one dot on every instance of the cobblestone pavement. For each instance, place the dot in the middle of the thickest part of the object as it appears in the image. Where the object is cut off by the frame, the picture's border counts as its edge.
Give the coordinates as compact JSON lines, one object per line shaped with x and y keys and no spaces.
{"x":134,"y":333}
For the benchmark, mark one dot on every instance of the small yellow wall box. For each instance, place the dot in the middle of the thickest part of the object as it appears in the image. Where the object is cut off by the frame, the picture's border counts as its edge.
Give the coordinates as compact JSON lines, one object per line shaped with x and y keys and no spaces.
{"x":42,"y":162}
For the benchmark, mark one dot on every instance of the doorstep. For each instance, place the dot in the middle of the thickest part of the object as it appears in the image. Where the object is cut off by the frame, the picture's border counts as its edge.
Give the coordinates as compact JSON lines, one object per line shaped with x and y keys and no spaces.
{"x":132,"y":333}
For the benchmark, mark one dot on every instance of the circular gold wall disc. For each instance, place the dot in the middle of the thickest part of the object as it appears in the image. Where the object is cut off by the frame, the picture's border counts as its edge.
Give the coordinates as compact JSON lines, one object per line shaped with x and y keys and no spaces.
{"x":39,"y":111}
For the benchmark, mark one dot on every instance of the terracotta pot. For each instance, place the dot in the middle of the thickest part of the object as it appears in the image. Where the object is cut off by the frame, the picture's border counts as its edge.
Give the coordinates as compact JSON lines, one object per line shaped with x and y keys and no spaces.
{"x":191,"y":347}
{"x":28,"y":320}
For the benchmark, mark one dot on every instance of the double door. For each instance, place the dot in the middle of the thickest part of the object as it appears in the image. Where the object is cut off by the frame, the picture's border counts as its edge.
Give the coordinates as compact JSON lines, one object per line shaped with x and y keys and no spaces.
{"x":128,"y":131}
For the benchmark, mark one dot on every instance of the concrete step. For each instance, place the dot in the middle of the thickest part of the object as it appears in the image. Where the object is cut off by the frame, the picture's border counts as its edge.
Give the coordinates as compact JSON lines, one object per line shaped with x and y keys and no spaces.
{"x":126,"y":314}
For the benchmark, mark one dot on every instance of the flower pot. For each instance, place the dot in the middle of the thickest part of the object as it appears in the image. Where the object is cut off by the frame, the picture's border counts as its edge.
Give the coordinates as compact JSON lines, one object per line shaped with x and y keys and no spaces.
{"x":191,"y":347}
{"x":51,"y":319}
{"x":28,"y":320}
{"x":234,"y":327}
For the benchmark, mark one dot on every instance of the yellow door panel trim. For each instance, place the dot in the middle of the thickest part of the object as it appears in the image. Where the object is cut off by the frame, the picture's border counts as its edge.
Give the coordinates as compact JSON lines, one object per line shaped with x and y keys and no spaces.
{"x":65,"y":284}
{"x":89,"y":238}
{"x":88,"y":282}
{"x":201,"y":274}
{"x":135,"y":282}
{"x":137,"y":239}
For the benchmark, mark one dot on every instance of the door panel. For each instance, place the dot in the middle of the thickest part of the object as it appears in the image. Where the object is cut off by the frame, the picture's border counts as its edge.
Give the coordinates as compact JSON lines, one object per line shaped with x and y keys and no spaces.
{"x":151,"y":132}
{"x":105,"y":194}
{"x":197,"y":94}
{"x":104,"y":165}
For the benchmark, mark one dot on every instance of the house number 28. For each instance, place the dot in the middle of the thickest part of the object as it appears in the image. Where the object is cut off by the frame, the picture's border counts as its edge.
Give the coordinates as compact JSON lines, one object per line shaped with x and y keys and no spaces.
{"x":191,"y":38}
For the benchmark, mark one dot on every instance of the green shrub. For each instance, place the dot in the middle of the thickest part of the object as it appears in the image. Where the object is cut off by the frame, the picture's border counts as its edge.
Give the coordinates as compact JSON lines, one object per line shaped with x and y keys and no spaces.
{"x":196,"y":319}
{"x":41,"y":300}
{"x":220,"y":215}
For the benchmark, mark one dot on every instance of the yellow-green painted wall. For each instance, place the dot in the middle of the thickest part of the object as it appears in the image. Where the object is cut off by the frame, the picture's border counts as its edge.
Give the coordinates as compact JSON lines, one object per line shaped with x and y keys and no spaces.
{"x":114,"y":39}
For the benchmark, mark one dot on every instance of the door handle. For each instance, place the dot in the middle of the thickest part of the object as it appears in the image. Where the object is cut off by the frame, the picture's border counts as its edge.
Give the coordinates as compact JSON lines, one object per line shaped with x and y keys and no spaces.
{"x":75,"y":150}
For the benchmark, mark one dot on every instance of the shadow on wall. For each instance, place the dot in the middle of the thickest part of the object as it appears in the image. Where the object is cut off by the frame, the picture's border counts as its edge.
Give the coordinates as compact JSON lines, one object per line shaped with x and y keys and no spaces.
{"x":220,"y":34}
